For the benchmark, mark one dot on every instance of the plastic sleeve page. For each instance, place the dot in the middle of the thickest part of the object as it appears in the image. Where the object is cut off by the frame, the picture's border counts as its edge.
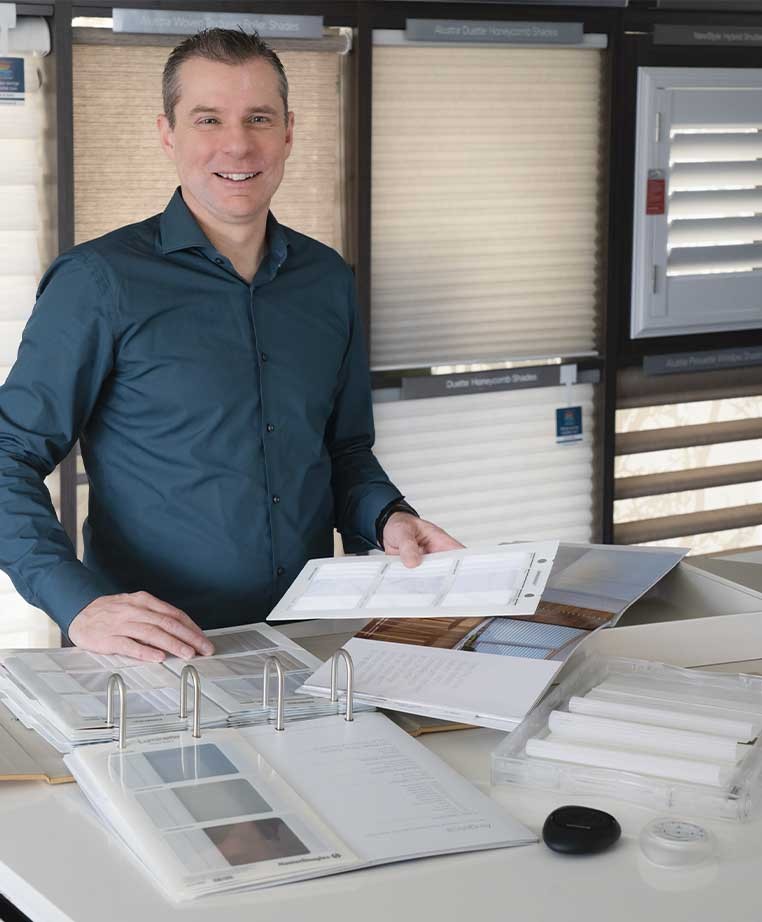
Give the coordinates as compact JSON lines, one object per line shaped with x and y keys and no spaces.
{"x":232,"y":676}
{"x":70,"y":687}
{"x":485,"y":581}
{"x":207,"y":815}
{"x":488,"y":689}
{"x":385,"y":793}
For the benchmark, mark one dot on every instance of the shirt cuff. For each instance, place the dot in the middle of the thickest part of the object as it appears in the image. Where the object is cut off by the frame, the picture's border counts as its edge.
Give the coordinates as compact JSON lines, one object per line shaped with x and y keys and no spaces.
{"x":366,"y":515}
{"x":396,"y":505}
{"x":68,"y":589}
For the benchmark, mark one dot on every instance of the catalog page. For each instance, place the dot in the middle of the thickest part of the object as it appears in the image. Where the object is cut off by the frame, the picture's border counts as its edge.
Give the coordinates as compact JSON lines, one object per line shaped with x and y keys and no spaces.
{"x":503,"y":580}
{"x":427,"y":665}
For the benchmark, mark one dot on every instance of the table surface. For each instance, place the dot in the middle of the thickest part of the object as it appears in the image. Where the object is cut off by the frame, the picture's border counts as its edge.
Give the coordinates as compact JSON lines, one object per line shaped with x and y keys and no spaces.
{"x":59,"y":864}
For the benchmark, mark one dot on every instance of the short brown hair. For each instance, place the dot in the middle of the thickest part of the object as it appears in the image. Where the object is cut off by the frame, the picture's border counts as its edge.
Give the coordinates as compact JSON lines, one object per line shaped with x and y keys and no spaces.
{"x":227,"y":46}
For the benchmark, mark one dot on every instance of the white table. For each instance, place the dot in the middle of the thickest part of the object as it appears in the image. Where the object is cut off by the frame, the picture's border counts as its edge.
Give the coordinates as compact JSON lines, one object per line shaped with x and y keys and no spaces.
{"x":58,"y":864}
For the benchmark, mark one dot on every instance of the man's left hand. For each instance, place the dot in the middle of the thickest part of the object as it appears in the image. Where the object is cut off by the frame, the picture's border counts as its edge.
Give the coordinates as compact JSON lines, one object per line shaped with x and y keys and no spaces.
{"x":410,"y":538}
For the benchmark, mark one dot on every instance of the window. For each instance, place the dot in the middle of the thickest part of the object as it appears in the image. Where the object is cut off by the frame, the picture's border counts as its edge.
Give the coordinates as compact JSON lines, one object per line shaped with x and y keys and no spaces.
{"x":697,"y":255}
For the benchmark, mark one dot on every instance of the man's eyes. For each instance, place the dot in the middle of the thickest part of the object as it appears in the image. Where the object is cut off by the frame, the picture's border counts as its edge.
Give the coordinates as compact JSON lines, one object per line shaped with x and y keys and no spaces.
{"x":252,"y":120}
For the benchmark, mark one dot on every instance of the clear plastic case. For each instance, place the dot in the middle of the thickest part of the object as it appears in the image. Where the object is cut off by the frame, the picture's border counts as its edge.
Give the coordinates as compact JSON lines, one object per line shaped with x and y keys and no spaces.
{"x":708,"y":694}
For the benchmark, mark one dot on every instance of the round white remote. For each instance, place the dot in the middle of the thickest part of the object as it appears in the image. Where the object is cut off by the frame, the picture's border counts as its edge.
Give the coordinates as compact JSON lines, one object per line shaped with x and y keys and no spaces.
{"x":676,"y":843}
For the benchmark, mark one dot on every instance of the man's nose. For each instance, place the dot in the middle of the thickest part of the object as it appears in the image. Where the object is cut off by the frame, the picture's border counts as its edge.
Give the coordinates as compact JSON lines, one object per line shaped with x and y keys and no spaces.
{"x":238,"y":140}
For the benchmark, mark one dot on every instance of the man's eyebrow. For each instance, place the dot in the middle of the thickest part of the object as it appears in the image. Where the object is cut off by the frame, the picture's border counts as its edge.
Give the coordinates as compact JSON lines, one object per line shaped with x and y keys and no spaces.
{"x":264,"y":110}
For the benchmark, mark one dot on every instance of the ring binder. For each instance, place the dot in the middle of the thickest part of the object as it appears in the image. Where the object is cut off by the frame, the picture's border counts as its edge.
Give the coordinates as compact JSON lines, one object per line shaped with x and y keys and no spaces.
{"x":274,"y":661}
{"x":190,"y":672}
{"x":116,"y":682}
{"x":342,"y":654}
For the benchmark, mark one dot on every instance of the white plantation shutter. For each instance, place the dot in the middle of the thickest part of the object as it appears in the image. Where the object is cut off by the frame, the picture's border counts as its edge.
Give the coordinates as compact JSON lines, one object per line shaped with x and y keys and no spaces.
{"x":698,"y":267}
{"x":26,"y":247}
{"x":488,"y":198}
{"x":486,"y":467}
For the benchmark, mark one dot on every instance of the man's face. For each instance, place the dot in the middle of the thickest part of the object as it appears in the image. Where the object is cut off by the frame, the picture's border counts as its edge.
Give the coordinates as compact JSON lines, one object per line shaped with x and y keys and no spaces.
{"x":231,"y":140}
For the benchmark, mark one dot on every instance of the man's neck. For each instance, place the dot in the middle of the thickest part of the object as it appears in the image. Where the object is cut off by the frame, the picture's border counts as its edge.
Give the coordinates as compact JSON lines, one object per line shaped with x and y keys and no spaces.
{"x":244,"y":245}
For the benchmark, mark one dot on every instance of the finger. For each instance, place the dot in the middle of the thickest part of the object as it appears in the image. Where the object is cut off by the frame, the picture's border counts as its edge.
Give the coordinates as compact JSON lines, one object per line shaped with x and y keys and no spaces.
{"x":410,"y":553}
{"x":192,"y":637}
{"x":146,"y":600}
{"x":125,"y":646}
{"x":151,"y":634}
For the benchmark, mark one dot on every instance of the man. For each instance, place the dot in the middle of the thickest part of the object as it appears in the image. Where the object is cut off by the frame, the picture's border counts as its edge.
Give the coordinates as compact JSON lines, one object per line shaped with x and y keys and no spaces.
{"x":211,"y":363}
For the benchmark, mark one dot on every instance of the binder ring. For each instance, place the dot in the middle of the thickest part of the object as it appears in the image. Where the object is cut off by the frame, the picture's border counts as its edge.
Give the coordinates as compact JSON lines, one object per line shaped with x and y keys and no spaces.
{"x":190,"y":672}
{"x":342,"y":654}
{"x":273,"y":661}
{"x":116,"y":682}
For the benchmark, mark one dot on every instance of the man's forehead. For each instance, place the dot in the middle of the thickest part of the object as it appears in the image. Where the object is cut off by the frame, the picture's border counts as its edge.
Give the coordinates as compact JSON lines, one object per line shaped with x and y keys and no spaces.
{"x":215,"y":80}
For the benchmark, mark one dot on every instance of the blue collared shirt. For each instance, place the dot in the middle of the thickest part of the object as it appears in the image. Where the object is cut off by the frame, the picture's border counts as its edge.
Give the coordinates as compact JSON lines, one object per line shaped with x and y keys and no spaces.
{"x":225,"y":427}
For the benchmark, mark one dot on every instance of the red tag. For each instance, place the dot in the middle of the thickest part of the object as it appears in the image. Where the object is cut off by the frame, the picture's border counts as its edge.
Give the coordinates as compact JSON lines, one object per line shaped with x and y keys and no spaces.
{"x":656,"y":198}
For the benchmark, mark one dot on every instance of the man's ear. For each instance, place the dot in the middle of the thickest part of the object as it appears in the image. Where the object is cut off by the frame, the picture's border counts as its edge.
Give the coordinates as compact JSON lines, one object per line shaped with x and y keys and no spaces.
{"x":289,"y":134}
{"x":166,"y":136}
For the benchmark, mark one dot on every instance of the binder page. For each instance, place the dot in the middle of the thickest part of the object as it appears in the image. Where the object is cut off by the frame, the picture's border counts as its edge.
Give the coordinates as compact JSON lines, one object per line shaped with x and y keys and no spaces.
{"x":232,"y":676}
{"x":486,"y":689}
{"x":384,"y":793}
{"x":69,"y":686}
{"x":505,"y":580}
{"x":207,"y":815}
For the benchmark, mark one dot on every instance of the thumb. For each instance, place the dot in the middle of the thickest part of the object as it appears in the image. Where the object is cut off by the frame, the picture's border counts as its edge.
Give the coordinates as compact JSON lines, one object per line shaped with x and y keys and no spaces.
{"x":410,"y":552}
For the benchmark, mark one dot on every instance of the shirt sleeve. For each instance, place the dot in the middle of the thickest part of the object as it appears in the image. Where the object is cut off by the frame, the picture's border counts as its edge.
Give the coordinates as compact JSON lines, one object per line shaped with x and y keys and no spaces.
{"x":65,"y":354}
{"x":361,"y":488}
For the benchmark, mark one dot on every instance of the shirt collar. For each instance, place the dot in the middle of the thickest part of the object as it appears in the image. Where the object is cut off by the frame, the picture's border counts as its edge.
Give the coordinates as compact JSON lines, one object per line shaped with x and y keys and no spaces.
{"x":180,"y":231}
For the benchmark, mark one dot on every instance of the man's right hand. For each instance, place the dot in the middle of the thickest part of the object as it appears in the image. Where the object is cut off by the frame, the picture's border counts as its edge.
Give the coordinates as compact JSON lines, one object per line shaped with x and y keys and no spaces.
{"x":137,"y":624}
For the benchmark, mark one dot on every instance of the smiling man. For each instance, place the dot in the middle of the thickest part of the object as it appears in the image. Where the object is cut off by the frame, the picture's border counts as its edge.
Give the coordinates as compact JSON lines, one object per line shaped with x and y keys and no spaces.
{"x":211,"y":363}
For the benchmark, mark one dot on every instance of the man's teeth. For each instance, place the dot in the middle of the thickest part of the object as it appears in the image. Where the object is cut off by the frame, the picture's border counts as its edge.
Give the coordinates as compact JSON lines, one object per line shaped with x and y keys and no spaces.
{"x":237,"y":177}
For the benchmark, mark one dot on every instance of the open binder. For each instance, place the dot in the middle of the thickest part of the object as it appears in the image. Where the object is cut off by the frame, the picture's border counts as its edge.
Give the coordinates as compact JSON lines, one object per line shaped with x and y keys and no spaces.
{"x":258,"y":806}
{"x":61,"y":693}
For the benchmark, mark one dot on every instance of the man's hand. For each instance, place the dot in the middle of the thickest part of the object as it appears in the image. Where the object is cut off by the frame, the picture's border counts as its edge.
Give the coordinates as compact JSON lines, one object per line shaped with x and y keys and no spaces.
{"x":137,"y":624}
{"x":411,"y":538}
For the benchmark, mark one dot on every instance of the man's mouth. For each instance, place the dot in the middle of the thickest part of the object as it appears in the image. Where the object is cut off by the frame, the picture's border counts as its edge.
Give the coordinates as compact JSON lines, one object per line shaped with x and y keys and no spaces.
{"x":238,"y":177}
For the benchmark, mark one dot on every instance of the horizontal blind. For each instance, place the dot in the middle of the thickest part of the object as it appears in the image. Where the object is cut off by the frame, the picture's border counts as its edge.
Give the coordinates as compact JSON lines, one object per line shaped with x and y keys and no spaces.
{"x":121,"y":175}
{"x":27,"y":237}
{"x":688,"y":469}
{"x":487,"y":468}
{"x":487,"y":203}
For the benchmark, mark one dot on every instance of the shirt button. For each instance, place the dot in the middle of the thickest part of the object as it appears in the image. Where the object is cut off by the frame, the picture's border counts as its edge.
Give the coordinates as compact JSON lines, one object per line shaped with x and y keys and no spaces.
{"x":276,"y":499}
{"x":280,"y":571}
{"x":219,"y":260}
{"x":270,"y":427}
{"x":265,"y":356}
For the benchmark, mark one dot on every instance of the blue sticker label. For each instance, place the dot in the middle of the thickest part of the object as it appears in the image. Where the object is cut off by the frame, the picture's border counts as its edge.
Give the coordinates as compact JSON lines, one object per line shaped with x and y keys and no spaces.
{"x":11,"y":81}
{"x":569,"y":424}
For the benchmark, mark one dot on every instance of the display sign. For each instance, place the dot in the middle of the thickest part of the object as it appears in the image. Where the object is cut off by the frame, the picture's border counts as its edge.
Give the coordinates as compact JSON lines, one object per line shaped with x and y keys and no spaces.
{"x":480,"y":382}
{"x":656,"y":194}
{"x":568,"y":425}
{"x":11,"y":81}
{"x":708,"y":35}
{"x":682,"y":362}
{"x":184,"y":22}
{"x":475,"y":31}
